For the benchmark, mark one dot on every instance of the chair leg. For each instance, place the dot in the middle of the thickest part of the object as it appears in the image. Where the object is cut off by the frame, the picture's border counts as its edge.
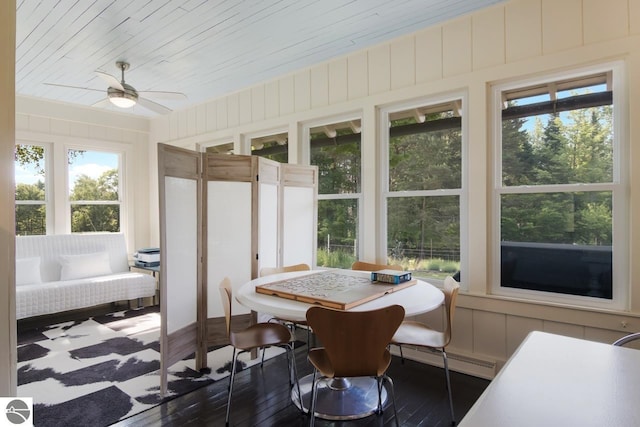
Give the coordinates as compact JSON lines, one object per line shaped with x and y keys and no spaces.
{"x":232,"y":377}
{"x":401,"y":355}
{"x":446,"y":372}
{"x":393,"y":398}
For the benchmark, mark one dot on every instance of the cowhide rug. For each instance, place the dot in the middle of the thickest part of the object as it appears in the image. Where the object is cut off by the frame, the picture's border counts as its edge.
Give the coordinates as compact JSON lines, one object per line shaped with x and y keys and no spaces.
{"x":97,"y":371}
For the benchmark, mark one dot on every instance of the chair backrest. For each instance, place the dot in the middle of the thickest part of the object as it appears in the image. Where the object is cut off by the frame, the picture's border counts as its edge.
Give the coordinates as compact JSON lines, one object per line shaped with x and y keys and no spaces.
{"x":627,"y":339}
{"x":451,"y":288}
{"x":266,"y":271}
{"x":368,"y":266}
{"x":355,"y":341}
{"x":225,"y":293}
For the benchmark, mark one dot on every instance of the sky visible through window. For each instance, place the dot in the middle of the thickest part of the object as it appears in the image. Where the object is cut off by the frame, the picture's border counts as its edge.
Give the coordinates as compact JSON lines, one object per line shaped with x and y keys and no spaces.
{"x":90,"y":163}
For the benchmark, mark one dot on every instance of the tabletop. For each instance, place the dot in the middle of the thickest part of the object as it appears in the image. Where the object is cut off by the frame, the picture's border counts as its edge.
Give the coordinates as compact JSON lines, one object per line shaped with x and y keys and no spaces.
{"x":554,"y":380}
{"x":419,"y":298}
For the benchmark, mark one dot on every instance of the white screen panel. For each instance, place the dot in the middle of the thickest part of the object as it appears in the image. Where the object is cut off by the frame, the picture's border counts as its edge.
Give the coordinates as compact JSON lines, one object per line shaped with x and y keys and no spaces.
{"x":298,"y":214}
{"x":182,"y":252}
{"x":228,"y":241}
{"x":268,"y":226}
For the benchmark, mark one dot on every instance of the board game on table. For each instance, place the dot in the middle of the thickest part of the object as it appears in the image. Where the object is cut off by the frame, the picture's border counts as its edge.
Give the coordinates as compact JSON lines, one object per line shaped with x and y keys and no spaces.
{"x":333,"y":288}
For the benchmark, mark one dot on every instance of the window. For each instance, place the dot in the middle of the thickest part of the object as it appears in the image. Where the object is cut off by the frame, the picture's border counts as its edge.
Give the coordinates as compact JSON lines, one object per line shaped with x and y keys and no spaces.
{"x":225,"y":148}
{"x":335,"y":149}
{"x":559,"y":188}
{"x":274,"y":147}
{"x":423,"y":188}
{"x":31,"y":189}
{"x":94,"y":191}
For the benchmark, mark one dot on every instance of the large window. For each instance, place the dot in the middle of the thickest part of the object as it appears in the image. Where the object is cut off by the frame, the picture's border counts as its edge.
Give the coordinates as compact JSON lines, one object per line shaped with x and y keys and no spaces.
{"x":94,"y":191}
{"x":559,"y":189}
{"x":424,"y":188}
{"x":31,"y":189}
{"x":335,"y":149}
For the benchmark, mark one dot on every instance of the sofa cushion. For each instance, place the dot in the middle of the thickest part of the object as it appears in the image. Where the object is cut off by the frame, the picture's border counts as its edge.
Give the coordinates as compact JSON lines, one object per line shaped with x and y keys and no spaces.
{"x":84,"y":265}
{"x":28,"y":271}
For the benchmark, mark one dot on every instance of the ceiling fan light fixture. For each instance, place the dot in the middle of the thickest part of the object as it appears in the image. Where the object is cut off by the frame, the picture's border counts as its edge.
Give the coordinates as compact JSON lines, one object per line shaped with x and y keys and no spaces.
{"x":122,"y":99}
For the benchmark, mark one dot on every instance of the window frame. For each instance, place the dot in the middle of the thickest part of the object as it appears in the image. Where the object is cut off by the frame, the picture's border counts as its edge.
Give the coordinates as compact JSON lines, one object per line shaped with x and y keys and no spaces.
{"x":48,"y":186}
{"x":619,"y":188}
{"x":385,"y":194}
{"x":306,"y":160}
{"x":121,"y":155}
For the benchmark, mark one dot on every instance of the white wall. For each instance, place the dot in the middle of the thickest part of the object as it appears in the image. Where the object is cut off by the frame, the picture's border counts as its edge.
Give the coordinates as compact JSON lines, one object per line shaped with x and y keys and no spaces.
{"x":507,"y":41}
{"x":61,"y":125}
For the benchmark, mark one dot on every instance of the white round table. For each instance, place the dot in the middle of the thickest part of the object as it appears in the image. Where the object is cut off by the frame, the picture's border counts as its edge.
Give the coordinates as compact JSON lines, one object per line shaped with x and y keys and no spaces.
{"x":340,"y":398}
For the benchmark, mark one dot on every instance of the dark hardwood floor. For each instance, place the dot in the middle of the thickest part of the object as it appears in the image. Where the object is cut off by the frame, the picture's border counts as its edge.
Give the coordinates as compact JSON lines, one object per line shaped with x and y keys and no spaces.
{"x":261,"y":397}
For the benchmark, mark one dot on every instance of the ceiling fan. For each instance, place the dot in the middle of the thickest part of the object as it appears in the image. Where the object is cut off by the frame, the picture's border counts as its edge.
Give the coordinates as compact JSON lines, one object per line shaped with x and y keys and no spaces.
{"x":124,"y":95}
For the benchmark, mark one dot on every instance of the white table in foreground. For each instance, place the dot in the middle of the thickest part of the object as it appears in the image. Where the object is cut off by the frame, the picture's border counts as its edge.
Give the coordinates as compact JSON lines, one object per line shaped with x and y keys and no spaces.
{"x":553,"y":380}
{"x":340,"y":398}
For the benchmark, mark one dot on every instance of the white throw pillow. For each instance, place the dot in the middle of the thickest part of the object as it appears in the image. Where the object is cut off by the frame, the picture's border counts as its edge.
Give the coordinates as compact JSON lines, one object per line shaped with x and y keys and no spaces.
{"x":85,"y":265}
{"x":27,"y":271}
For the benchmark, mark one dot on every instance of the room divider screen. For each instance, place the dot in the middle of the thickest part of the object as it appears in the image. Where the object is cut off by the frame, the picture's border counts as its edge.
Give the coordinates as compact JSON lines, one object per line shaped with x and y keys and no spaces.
{"x":224,"y":215}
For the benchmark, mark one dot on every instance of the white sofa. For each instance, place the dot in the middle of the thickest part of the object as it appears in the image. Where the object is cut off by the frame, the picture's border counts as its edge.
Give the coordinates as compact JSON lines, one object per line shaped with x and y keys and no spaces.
{"x":66,"y":272}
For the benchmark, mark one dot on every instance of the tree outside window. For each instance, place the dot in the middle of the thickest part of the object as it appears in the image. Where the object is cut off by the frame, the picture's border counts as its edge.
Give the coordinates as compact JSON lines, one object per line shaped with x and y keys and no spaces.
{"x":335,"y":149}
{"x":424,"y":189}
{"x":556,"y":191}
{"x":30,"y":191}
{"x":94,"y":191}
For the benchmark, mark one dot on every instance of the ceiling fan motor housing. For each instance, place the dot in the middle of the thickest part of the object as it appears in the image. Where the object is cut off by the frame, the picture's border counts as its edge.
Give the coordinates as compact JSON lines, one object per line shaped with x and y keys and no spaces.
{"x":128,"y":93}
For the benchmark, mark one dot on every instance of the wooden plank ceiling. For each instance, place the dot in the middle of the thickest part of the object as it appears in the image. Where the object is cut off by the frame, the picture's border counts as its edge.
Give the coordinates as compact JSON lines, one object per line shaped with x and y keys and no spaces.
{"x":202,"y":48}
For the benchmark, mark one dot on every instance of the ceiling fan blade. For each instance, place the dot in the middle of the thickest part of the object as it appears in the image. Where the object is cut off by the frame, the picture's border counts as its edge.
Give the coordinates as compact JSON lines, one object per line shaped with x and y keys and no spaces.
{"x":170,"y":96}
{"x":74,"y":87}
{"x":111,"y":81}
{"x":153,"y":106}
{"x":104,"y":102}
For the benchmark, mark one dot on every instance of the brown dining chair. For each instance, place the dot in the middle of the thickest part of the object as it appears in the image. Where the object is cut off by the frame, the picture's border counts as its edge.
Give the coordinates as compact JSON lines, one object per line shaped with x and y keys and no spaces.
{"x":368,"y":266}
{"x":355,"y":345}
{"x":420,"y":335}
{"x":259,"y":335}
{"x":292,"y":324}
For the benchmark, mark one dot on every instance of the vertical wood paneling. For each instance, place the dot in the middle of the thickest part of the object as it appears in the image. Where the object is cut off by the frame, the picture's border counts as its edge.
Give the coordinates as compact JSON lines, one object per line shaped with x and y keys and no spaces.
{"x":488,"y":38}
{"x":302,"y":90}
{"x":212,"y":116}
{"x":456,"y":45}
{"x":272,"y":100}
{"x":221,"y":113}
{"x":604,"y":20}
{"x":201,"y":119}
{"x":561,"y":25}
{"x":80,"y":130}
{"x":338,"y":78}
{"x":634,"y":16}
{"x":39,"y":124}
{"x":233,"y":110}
{"x":379,"y":66}
{"x":429,"y":55}
{"x":523,"y":23}
{"x":287,"y":94}
{"x":565,"y":329}
{"x":113,"y":134}
{"x":320,"y":86}
{"x":173,"y":126}
{"x":357,"y":75}
{"x":257,"y":103}
{"x":462,"y":332}
{"x":22,"y":122}
{"x":489,"y":334}
{"x":182,"y":124}
{"x":517,"y":330}
{"x":97,"y":132}
{"x":602,"y":335}
{"x":60,"y":127}
{"x":403,"y":62}
{"x":244,"y":107}
{"x":191,"y":121}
